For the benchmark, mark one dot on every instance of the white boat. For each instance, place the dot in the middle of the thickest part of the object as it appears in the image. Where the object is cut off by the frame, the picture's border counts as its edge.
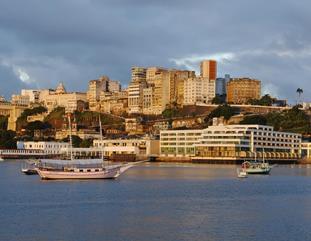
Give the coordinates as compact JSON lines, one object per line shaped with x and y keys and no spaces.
{"x":242,"y":173}
{"x":80,"y":168}
{"x":256,"y":167}
{"x":29,"y":167}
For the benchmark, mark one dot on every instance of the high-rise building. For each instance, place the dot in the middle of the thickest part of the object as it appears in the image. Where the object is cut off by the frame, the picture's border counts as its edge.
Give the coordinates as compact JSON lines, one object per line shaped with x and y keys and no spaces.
{"x":198,"y":90}
{"x":152,"y":72}
{"x":114,"y":86}
{"x":209,"y":69}
{"x":177,"y":79}
{"x":94,"y":91}
{"x":241,"y":90}
{"x":221,"y":85}
{"x":135,"y":90}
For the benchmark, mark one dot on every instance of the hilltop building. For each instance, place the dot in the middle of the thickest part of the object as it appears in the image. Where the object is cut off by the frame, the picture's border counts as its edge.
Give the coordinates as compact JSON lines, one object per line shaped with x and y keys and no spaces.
{"x":208,"y":69}
{"x":241,"y":90}
{"x":135,"y":90}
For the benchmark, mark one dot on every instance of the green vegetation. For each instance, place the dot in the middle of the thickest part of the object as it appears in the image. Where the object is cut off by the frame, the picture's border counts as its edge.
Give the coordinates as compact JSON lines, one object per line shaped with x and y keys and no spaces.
{"x":170,"y":113}
{"x":3,"y":122}
{"x":76,"y":140}
{"x":86,"y":143}
{"x":266,"y":100}
{"x":223,"y":110}
{"x":55,"y":117}
{"x":293,"y":120}
{"x":7,"y":139}
{"x":219,"y":100}
{"x":254,"y":120}
{"x":37,"y":125}
{"x":90,"y":118}
{"x":22,"y":120}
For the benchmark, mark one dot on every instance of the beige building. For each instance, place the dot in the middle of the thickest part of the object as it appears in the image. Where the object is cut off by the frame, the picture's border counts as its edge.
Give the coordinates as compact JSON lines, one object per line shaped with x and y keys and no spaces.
{"x":177,"y":80}
{"x":114,"y":86}
{"x":133,"y":126}
{"x":241,"y":90}
{"x":199,"y":90}
{"x":5,"y":108}
{"x":20,"y":100}
{"x":148,"y":100}
{"x":32,"y":94}
{"x":152,"y":72}
{"x":209,"y":69}
{"x":15,"y":112}
{"x":135,"y":90}
{"x":139,"y":147}
{"x":96,"y":87}
{"x":60,"y":98}
{"x":114,"y":102}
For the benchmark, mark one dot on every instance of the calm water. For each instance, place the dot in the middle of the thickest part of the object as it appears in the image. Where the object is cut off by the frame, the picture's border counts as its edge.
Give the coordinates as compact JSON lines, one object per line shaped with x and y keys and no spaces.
{"x":157,"y":202}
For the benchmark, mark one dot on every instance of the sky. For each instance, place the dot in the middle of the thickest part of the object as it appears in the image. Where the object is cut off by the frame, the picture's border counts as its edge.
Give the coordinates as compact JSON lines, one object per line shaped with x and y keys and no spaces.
{"x":46,"y":42}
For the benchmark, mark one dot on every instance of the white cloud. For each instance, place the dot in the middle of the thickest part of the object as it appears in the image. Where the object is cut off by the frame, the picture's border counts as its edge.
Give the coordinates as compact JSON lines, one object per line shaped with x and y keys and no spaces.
{"x":191,"y":62}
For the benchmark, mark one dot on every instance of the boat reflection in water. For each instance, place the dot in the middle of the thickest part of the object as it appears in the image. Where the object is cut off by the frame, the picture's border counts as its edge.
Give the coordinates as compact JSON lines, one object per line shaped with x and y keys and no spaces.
{"x":80,"y":169}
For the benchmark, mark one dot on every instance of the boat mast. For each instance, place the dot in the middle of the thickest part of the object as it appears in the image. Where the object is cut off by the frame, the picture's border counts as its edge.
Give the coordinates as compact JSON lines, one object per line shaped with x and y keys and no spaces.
{"x":101,"y":138}
{"x":70,"y":137}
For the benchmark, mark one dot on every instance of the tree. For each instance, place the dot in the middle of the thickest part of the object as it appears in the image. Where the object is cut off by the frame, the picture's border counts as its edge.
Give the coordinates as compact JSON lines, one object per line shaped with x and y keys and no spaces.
{"x":254,"y":120}
{"x":37,"y":125}
{"x":86,"y":143}
{"x":7,"y":139}
{"x":265,"y":100}
{"x":223,"y":110}
{"x":219,"y":99}
{"x":299,"y":91}
{"x":76,"y":140}
{"x":3,"y":122}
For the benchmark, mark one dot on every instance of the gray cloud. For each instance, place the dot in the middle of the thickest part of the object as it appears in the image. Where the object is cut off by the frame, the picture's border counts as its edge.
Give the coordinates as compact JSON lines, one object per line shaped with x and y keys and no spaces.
{"x":77,"y":40}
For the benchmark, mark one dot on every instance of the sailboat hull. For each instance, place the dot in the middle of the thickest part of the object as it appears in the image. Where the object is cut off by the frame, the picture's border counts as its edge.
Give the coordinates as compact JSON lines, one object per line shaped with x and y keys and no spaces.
{"x":106,"y":174}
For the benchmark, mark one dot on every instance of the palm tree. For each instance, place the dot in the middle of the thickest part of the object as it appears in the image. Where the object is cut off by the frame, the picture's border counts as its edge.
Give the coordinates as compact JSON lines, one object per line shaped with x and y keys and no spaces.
{"x":299,"y":91}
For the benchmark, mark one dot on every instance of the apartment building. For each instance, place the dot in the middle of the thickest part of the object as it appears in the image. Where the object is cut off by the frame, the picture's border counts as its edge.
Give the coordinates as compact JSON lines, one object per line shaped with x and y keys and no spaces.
{"x":135,"y":90}
{"x":199,"y":90}
{"x":208,"y":69}
{"x":114,"y":102}
{"x":241,"y":90}
{"x":96,"y":87}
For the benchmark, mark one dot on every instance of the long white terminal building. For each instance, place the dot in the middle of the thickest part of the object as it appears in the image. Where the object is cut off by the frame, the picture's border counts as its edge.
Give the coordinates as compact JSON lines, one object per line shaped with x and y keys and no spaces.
{"x":230,"y":142}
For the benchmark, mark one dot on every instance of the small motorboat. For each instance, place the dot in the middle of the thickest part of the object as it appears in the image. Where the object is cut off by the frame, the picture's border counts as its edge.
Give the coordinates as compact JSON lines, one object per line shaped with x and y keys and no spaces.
{"x":30,"y":168}
{"x":242,"y":173}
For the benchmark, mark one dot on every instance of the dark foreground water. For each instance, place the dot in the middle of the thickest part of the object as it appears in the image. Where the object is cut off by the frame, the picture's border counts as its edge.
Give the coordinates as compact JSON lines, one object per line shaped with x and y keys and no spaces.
{"x":158,"y":202}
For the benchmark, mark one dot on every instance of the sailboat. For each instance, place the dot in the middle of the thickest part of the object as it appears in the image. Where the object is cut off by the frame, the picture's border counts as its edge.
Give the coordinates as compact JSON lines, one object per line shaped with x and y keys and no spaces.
{"x":254,"y":167}
{"x":81,"y":168}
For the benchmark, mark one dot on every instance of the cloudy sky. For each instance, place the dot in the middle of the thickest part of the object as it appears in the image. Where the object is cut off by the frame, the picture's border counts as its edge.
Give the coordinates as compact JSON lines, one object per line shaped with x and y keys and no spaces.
{"x":44,"y":42}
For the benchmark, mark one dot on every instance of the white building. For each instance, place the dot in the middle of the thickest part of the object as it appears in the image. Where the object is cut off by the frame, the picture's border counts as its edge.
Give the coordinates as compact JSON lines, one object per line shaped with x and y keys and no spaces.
{"x":140,"y":147}
{"x":33,"y":94}
{"x":231,"y":142}
{"x":20,"y":100}
{"x":47,"y":147}
{"x":199,"y":90}
{"x":306,"y":150}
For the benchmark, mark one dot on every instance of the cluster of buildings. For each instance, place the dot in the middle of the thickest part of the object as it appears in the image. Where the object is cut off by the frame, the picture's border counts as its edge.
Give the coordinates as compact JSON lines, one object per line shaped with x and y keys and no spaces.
{"x":153,"y":89}
{"x":150,"y":91}
{"x":217,"y":144}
